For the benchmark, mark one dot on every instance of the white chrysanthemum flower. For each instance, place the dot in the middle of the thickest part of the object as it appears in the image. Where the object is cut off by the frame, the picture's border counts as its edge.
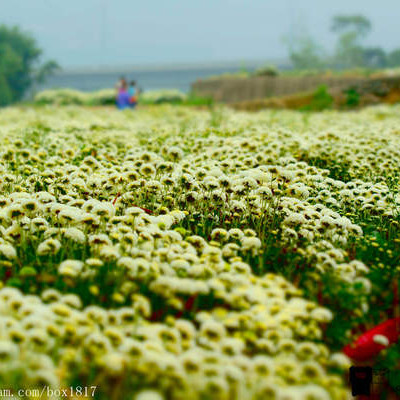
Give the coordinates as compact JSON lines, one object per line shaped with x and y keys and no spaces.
{"x":45,"y":197}
{"x":235,"y":233}
{"x":165,"y":221}
{"x":340,"y":360}
{"x":175,"y":153}
{"x":70,"y":268}
{"x":71,"y":300}
{"x":75,"y":235}
{"x":8,"y":351}
{"x":381,"y":339}
{"x":113,"y":363}
{"x":49,"y":246}
{"x":8,"y":251}
{"x":149,"y":394}
{"x":322,"y":314}
{"x":99,"y":239}
{"x":109,"y":253}
{"x":50,"y":295}
{"x":104,"y":210}
{"x":44,"y":376}
{"x":94,"y":262}
{"x":250,"y":243}
{"x":313,"y":392}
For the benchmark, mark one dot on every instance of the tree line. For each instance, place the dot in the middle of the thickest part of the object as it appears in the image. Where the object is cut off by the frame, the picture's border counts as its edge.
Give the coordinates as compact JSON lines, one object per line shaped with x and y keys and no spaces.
{"x":351,"y":31}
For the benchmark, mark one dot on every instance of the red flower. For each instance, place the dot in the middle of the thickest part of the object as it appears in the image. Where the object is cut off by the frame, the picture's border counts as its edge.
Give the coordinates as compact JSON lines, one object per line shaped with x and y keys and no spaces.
{"x":188,"y":305}
{"x":364,"y":348}
{"x":147,"y":210}
{"x":116,"y":197}
{"x":144,"y":209}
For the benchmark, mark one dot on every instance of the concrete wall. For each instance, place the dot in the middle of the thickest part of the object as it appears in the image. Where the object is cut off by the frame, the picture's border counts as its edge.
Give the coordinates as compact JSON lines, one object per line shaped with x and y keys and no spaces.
{"x":232,"y":90}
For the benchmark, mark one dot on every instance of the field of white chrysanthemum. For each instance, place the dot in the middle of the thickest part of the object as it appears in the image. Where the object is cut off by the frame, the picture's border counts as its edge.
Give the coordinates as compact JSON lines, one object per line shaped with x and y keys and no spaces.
{"x":160,"y":255}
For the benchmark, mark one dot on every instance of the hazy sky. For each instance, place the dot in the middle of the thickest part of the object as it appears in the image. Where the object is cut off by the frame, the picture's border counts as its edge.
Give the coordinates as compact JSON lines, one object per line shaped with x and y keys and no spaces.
{"x":129,"y":32}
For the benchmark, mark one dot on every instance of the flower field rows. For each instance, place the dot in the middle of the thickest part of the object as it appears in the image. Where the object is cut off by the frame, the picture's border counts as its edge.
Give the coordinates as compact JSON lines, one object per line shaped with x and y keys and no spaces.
{"x":182,"y":254}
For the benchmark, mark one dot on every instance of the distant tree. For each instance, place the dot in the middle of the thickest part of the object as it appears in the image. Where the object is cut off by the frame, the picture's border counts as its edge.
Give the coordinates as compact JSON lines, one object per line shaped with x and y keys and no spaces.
{"x":351,"y":23}
{"x":47,"y":69}
{"x":393,"y":58}
{"x":307,"y":54}
{"x":352,"y":29}
{"x":374,"y":57}
{"x":349,"y":53}
{"x":19,"y":64}
{"x":304,"y":52}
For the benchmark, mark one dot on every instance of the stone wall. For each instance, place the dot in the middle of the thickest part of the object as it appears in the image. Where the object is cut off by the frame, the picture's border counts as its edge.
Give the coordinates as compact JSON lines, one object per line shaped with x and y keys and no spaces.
{"x":233,"y":90}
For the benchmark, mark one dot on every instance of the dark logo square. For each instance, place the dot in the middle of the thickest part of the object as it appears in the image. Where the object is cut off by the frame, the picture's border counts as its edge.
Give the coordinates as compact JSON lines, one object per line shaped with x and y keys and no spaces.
{"x":361,"y":379}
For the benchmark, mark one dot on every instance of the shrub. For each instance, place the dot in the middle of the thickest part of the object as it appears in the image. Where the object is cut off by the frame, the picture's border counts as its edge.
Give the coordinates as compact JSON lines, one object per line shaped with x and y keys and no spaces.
{"x":352,"y":98}
{"x":321,"y":100}
{"x":162,"y":96}
{"x":62,"y":97}
{"x":268,"y":70}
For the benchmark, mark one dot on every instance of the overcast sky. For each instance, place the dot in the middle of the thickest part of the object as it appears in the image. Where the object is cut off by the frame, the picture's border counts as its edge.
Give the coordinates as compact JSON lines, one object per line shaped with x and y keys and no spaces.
{"x":130,"y":32}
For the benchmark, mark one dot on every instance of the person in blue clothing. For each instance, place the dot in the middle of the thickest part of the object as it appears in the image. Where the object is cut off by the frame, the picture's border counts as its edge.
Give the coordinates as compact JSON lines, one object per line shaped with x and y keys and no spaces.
{"x":133,"y":93}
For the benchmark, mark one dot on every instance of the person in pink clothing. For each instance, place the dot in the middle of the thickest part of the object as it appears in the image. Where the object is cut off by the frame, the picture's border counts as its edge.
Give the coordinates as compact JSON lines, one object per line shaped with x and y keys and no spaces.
{"x":122,"y":95}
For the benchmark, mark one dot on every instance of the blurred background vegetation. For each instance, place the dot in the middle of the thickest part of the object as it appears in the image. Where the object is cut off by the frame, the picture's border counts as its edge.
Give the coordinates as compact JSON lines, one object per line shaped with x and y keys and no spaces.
{"x":20,"y":64}
{"x":350,"y":30}
{"x":22,"y":67}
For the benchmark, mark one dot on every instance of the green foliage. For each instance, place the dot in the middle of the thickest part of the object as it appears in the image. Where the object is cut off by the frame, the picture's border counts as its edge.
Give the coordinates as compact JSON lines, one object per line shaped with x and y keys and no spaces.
{"x":352,"y":98}
{"x":267,"y":70}
{"x":65,"y":97}
{"x":19,"y":57}
{"x":216,"y":117}
{"x":5,"y":92}
{"x":393,"y":58}
{"x":243,"y":68}
{"x":321,"y":100}
{"x":351,"y":23}
{"x":47,"y":69}
{"x":374,"y":57}
{"x":107,"y":97}
{"x":306,"y":54}
{"x":339,"y":171}
{"x":349,"y":53}
{"x":194,"y":100}
{"x":171,"y":96}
